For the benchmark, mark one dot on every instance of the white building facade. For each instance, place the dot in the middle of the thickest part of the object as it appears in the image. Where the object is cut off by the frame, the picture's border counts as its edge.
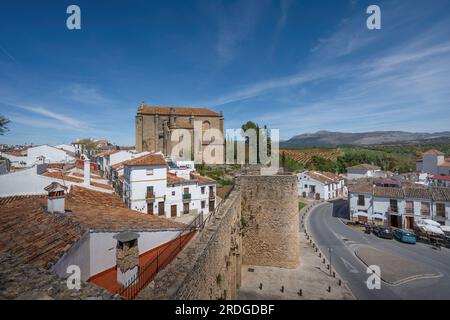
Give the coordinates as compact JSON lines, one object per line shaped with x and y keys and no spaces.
{"x":150,"y":188}
{"x":365,"y":171}
{"x":400,"y":207}
{"x":320,"y":185}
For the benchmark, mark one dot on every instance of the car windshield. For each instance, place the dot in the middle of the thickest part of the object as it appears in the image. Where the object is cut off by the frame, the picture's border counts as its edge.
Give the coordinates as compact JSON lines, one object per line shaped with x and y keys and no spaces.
{"x":409,"y":234}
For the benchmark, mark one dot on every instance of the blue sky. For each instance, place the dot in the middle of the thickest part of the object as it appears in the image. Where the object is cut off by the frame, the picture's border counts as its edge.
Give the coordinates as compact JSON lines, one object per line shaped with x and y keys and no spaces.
{"x":299,"y":66}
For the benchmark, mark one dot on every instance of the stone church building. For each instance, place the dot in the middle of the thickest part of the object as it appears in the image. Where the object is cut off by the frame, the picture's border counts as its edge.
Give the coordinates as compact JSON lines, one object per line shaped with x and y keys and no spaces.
{"x":155,"y":124}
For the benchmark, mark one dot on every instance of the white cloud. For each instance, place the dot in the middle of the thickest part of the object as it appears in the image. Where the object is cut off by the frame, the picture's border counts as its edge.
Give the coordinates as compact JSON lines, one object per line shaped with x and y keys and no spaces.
{"x":235,"y":22}
{"x":87,"y":95}
{"x":63,"y":119}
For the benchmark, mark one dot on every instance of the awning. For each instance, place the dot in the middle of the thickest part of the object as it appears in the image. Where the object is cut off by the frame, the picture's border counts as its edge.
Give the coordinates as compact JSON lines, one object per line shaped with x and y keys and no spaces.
{"x":360,"y":214}
{"x":428,"y":222}
{"x":377,"y":216}
{"x":431,"y":229}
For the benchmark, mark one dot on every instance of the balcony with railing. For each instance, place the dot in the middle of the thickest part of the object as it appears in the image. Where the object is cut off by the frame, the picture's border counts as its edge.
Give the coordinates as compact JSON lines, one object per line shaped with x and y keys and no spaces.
{"x":212,"y":195}
{"x":150,"y":196}
{"x":187,"y":197}
{"x":392,"y":209}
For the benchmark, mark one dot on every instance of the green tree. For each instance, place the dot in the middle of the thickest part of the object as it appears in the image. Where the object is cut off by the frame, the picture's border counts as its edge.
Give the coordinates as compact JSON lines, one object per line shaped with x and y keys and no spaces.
{"x":3,"y":124}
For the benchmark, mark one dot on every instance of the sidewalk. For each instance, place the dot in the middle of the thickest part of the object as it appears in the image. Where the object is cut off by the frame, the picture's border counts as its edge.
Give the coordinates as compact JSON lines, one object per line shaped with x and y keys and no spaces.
{"x":311,"y":279}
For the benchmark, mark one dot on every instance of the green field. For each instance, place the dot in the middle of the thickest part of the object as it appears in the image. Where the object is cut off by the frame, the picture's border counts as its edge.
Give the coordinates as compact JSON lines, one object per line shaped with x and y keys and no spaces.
{"x":395,"y":158}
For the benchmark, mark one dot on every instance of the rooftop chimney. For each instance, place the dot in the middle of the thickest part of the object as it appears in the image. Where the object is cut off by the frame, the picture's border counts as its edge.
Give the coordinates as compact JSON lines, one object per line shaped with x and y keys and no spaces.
{"x":127,"y":256}
{"x":87,"y":172}
{"x":56,"y":197}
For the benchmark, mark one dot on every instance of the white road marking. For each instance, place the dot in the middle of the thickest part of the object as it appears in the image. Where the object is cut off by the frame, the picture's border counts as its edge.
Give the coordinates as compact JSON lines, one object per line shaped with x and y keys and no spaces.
{"x":349,"y":266}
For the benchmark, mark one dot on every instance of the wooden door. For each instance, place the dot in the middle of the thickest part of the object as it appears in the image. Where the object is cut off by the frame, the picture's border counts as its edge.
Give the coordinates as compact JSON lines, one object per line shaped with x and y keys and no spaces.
{"x":186,"y":208}
{"x":161,"y":208}
{"x":150,"y":208}
{"x":173,"y":210}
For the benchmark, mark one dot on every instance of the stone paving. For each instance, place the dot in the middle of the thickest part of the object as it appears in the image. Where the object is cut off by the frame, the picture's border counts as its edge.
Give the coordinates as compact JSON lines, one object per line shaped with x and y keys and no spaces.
{"x":394,"y":270}
{"x":310,"y":280}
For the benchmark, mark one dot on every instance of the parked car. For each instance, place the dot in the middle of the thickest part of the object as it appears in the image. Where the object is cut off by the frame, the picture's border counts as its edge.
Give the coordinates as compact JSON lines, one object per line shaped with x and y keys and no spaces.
{"x":406,"y":236}
{"x":383,"y":232}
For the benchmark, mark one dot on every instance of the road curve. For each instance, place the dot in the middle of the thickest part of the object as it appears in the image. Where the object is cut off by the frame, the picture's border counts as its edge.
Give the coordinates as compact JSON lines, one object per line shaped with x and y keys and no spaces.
{"x":328,"y":231}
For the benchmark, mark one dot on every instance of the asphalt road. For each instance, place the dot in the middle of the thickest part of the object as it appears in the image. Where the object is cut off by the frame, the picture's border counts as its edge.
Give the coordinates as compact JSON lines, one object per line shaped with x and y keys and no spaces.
{"x":328,"y":231}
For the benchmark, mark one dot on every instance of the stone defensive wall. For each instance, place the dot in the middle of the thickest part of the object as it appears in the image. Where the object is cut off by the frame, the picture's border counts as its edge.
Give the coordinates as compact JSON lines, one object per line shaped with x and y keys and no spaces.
{"x":257,"y":224}
{"x":270,"y":220}
{"x":210,"y":266}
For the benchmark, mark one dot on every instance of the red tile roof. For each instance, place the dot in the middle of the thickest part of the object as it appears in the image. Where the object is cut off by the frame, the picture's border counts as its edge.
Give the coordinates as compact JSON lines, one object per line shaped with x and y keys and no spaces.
{"x":388,"y":192}
{"x":433,"y":152}
{"x":440,"y":194}
{"x":163,"y":110}
{"x":35,"y":236}
{"x":153,"y":159}
{"x":15,"y":154}
{"x":172,"y":179}
{"x":364,"y":166}
{"x":31,"y":234}
{"x":98,"y":210}
{"x":446,"y":164}
{"x":324,"y":177}
{"x":204,"y":180}
{"x":447,"y":178}
{"x":106,"y":153}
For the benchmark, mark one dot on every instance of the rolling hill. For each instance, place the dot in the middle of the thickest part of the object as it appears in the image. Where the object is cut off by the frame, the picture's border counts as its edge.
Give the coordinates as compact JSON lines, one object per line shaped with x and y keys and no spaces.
{"x":328,"y":139}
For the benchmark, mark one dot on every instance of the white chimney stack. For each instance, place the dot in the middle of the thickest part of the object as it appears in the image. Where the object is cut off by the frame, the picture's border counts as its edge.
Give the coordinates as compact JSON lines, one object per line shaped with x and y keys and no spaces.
{"x":56,"y":197}
{"x":87,"y":172}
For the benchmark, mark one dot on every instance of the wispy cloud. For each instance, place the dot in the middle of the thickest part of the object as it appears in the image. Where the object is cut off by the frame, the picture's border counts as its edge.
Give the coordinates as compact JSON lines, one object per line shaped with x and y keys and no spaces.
{"x":8,"y":54}
{"x":86,"y":95}
{"x":63,"y":119}
{"x":235,"y":23}
{"x":402,"y":86}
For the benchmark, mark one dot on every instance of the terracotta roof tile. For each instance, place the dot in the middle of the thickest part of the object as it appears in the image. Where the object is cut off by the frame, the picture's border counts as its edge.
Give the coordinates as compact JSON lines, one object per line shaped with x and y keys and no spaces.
{"x":204,"y":180}
{"x":106,"y":153}
{"x":447,"y":178}
{"x":35,"y":236}
{"x":163,"y":110}
{"x":361,"y":187}
{"x":417,"y":192}
{"x":153,"y":159}
{"x":440,"y":194}
{"x":433,"y":152}
{"x":364,"y":166}
{"x":388,"y":192}
{"x":446,"y":164}
{"x":324,"y":177}
{"x":172,"y":179}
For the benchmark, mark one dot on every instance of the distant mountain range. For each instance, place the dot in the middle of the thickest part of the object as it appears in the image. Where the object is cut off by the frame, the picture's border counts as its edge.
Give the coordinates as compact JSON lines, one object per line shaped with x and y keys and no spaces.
{"x":339,"y":139}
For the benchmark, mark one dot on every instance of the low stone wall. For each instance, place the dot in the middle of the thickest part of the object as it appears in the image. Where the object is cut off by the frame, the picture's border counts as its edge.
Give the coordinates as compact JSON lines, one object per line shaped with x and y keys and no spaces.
{"x":270,"y":223}
{"x":210,"y":266}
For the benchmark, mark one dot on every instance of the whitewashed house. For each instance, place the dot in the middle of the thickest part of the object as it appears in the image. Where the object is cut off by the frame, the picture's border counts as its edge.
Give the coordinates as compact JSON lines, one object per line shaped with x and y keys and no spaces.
{"x":434,"y":163}
{"x":67,"y":147}
{"x":360,"y":199}
{"x":33,"y":180}
{"x":150,"y":188}
{"x":320,"y":185}
{"x":399,"y":207}
{"x":37,"y":155}
{"x":49,"y":154}
{"x":48,"y":234}
{"x":107,"y":159}
{"x":365,"y":171}
{"x":440,"y":181}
